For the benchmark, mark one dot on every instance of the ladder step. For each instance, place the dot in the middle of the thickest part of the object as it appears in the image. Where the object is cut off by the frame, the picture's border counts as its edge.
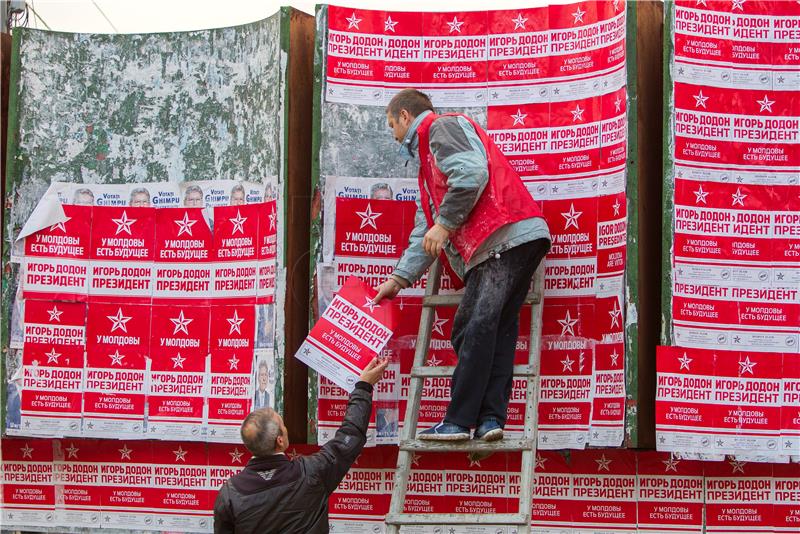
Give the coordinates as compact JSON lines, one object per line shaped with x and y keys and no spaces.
{"x":455,"y":300}
{"x":470,"y":445}
{"x":456,"y":519}
{"x":447,"y":370}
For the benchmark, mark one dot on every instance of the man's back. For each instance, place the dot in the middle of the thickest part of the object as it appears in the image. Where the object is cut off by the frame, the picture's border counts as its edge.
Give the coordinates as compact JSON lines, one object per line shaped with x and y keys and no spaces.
{"x":276,"y":494}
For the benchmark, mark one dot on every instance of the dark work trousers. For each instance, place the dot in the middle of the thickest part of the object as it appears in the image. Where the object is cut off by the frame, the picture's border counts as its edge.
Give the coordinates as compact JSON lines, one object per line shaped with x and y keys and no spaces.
{"x":485,"y":331}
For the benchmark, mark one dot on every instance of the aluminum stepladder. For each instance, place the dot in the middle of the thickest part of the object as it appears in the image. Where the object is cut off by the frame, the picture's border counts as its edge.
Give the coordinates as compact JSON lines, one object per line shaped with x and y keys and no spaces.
{"x":409,"y":444}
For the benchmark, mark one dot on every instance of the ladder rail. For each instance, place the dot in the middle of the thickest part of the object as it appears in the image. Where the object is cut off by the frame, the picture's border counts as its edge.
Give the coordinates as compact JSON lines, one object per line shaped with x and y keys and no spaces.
{"x":406,"y":457}
{"x":530,"y":428}
{"x":408,"y":444}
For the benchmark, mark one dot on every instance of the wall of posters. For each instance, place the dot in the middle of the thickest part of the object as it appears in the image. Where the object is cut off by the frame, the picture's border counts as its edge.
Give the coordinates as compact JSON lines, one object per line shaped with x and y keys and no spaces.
{"x":143,"y":485}
{"x":549,"y":86}
{"x":166,"y":329}
{"x":734,"y":183}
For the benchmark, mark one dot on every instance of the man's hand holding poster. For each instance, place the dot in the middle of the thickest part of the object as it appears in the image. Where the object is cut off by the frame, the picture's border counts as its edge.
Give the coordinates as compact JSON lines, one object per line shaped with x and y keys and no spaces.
{"x":351,"y":332}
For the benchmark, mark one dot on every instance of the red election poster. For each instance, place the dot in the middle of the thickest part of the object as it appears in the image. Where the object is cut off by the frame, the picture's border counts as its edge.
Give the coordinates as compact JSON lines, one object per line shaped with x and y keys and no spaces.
{"x":126,"y":484}
{"x":76,"y":474}
{"x":604,"y":491}
{"x":117,"y":343}
{"x":230,"y":393}
{"x":738,"y":496}
{"x":179,"y":496}
{"x":587,"y":37}
{"x":361,"y":499}
{"x":178,"y":351}
{"x":182,"y":256}
{"x":608,"y":395}
{"x":685,"y":399}
{"x":571,"y":266}
{"x":351,"y":332}
{"x":790,"y":407}
{"x":454,"y":66}
{"x":521,"y":133}
{"x":53,"y":374}
{"x":670,"y":494}
{"x":123,"y":247}
{"x":370,"y":236}
{"x":355,"y":55}
{"x":613,"y":129}
{"x":786,"y":507}
{"x":235,"y":253}
{"x":267,"y":252}
{"x":747,"y":396}
{"x":56,"y":263}
{"x":224,"y":461}
{"x":565,"y":386}
{"x":552,"y":508}
{"x":402,"y":51}
{"x":28,"y":493}
{"x":612,"y":233}
{"x":574,"y":145}
{"x":452,"y":483}
{"x":518,"y":55}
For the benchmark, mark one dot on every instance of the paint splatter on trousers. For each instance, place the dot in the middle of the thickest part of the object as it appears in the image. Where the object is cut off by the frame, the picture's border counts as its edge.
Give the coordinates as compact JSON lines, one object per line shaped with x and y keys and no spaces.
{"x":485,"y":331}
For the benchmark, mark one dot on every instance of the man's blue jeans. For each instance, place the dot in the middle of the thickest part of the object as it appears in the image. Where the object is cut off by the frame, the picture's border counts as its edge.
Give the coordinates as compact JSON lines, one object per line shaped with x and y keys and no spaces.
{"x":485,"y":331}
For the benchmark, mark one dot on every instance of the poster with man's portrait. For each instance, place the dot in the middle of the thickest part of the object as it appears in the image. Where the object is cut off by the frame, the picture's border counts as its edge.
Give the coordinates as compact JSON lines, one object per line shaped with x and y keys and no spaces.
{"x":264,"y":379}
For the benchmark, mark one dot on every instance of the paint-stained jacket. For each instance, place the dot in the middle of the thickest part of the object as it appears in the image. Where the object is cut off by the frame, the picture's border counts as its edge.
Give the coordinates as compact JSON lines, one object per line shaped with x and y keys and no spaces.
{"x":281,"y":495}
{"x":458,"y":152}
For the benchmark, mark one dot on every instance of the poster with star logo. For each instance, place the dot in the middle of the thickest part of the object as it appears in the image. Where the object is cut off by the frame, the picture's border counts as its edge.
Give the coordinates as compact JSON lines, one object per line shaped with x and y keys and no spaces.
{"x":56,"y":258}
{"x":28,"y":488}
{"x":684,"y":400}
{"x":565,"y":385}
{"x":670,"y":493}
{"x":603,"y":491}
{"x":52,"y":368}
{"x":177,"y":379}
{"x":739,"y":495}
{"x":350,"y":333}
{"x":551,"y":508}
{"x":182,"y":256}
{"x":122,"y":251}
{"x":76,"y":476}
{"x":117,"y":345}
{"x":235,"y":253}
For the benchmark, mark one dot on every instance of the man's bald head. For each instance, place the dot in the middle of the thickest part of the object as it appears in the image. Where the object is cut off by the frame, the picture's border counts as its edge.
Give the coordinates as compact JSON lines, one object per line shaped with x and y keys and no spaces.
{"x":263,"y":433}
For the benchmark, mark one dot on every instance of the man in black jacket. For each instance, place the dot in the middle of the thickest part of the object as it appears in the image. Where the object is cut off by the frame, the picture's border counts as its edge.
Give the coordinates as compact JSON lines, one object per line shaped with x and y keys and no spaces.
{"x":276,"y":494}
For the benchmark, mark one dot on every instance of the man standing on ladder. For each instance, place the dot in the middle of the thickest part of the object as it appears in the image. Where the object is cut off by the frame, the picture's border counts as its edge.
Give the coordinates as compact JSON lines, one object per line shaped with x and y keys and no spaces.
{"x":473,"y":211}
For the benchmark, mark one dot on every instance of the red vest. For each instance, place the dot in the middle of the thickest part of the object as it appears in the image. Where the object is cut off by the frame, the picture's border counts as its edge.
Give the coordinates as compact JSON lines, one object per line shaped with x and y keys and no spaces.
{"x":505,"y":199}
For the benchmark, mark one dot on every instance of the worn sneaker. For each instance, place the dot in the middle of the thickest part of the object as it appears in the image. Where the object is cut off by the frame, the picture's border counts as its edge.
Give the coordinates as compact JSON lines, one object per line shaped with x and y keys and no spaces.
{"x":489,"y":430}
{"x":445,"y":432}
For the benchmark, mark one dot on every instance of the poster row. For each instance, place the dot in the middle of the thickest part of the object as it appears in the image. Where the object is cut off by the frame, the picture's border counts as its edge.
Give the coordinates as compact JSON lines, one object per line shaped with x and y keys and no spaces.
{"x":139,"y":371}
{"x":172,"y":486}
{"x":144,"y":254}
{"x":728,"y":402}
{"x":473,"y":58}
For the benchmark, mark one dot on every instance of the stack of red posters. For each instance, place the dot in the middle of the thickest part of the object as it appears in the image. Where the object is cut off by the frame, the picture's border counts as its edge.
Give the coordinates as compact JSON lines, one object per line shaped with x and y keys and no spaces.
{"x":735,"y":254}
